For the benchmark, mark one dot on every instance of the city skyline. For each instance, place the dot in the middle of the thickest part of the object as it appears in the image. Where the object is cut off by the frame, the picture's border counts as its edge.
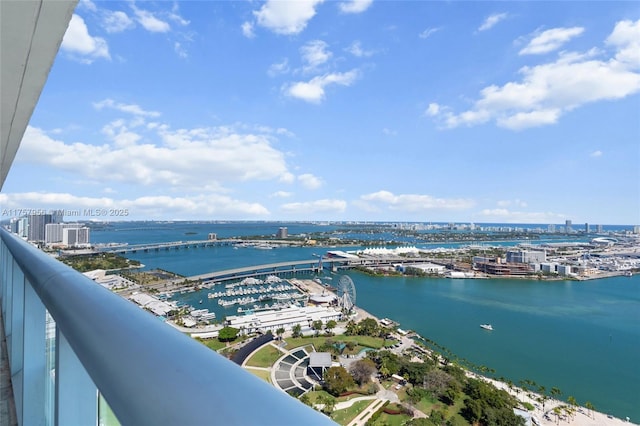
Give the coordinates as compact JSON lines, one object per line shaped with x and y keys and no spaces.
{"x":379,"y":111}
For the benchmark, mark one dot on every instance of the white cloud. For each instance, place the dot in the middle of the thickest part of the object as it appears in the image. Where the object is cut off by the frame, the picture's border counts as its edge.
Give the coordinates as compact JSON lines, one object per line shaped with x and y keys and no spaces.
{"x":150,"y":22}
{"x":81,"y":45}
{"x":356,"y":50}
{"x":310,"y":181}
{"x":506,"y":203}
{"x":314,"y":90}
{"x":415,"y":203}
{"x":318,"y":206}
{"x":492,"y":20}
{"x":179,"y":49}
{"x":247,"y":30}
{"x":286,"y":16}
{"x":389,"y":132}
{"x":116,"y":21}
{"x":549,"y":90}
{"x":433,"y":110}
{"x":626,"y":38}
{"x":428,"y":32}
{"x":550,"y":40}
{"x":279,"y":68}
{"x":88,"y":4}
{"x":128,"y":108}
{"x":148,"y":207}
{"x":184,"y":158}
{"x":596,"y":154}
{"x":355,"y":6}
{"x":314,"y":54}
{"x":281,"y":194}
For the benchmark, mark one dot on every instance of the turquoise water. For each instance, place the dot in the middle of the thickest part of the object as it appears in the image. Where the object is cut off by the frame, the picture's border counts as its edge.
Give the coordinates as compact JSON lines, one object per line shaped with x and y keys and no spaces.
{"x":582,"y":337}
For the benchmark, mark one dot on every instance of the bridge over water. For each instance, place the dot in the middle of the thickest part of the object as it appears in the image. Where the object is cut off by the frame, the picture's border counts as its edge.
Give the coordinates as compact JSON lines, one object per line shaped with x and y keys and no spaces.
{"x":177,"y":245}
{"x":300,"y":266}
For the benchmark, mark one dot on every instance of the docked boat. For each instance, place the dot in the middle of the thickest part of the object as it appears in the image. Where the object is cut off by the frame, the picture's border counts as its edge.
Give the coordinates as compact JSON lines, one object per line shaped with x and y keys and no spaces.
{"x":486,"y":326}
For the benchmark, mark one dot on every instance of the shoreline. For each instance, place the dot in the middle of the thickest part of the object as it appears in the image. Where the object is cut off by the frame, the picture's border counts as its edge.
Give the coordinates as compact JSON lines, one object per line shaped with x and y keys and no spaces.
{"x":546,"y":417}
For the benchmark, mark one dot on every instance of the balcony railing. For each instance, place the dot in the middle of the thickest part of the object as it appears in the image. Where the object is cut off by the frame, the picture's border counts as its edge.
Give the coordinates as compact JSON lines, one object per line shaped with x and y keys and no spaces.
{"x":97,"y":343}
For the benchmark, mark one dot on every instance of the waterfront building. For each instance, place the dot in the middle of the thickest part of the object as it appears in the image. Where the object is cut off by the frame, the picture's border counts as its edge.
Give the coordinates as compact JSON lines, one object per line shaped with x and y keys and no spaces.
{"x":74,"y":237}
{"x":272,"y":320}
{"x":586,"y":228}
{"x":551,"y":228}
{"x":54,"y":232}
{"x":282,"y":233}
{"x":37,"y":223}
{"x":599,"y":229}
{"x":568,"y":226}
{"x":526,"y":256}
{"x":212,"y":236}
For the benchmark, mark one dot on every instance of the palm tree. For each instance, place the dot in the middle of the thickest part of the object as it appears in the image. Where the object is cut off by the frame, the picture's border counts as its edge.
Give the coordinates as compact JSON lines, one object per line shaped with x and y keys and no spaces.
{"x":555,"y":392}
{"x":589,"y":406}
{"x":280,"y":332}
{"x":572,"y":401}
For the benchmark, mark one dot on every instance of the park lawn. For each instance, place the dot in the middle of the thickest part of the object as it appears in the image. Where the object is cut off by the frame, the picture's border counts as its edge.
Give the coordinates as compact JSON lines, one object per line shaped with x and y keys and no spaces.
{"x":345,"y":416}
{"x":265,"y":357}
{"x":263,"y":374}
{"x":391,"y":420}
{"x":214,"y":344}
{"x":315,"y":395}
{"x":362,"y":341}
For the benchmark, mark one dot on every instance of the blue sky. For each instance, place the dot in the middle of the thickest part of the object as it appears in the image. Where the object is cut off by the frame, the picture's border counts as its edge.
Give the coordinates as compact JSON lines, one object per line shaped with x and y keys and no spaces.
{"x":522,"y":112}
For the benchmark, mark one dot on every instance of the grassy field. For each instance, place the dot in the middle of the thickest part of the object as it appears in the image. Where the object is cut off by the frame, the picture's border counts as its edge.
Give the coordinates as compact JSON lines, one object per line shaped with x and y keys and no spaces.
{"x":345,"y":416}
{"x":360,"y":341}
{"x":263,"y":374}
{"x":265,"y":357}
{"x":391,"y":420}
{"x":214,"y":344}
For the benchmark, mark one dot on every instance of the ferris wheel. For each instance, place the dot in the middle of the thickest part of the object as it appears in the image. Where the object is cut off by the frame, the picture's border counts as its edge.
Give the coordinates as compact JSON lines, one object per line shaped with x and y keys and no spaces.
{"x":346,"y":293}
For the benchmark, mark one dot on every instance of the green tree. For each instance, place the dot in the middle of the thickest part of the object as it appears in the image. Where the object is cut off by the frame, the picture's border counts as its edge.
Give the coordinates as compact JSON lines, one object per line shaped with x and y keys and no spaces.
{"x":317,"y":326}
{"x":305,"y":399}
{"x":227,"y":334}
{"x":369,"y":327}
{"x":329,"y":403}
{"x":296,"y":331}
{"x":337,"y":380}
{"x":351,"y":329}
{"x":589,"y":406}
{"x":331,"y":324}
{"x":280,"y":332}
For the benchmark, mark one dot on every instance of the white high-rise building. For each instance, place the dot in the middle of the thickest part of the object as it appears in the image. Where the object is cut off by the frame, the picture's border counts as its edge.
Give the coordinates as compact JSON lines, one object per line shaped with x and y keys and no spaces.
{"x":72,"y":237}
{"x":54,"y":232}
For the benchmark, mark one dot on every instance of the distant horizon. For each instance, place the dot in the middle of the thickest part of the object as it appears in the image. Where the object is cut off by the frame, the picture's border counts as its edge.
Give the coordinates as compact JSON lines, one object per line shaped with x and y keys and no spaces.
{"x":576,"y":226}
{"x":482,"y":112}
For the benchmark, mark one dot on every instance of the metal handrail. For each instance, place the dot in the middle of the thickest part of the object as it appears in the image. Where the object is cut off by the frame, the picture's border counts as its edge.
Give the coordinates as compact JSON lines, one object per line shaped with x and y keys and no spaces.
{"x":148,"y":372}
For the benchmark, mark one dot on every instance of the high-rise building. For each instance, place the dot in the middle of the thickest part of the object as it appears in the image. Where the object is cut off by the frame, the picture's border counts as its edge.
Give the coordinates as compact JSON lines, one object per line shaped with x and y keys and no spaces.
{"x":54,"y":231}
{"x":75,"y":236}
{"x":37,"y":223}
{"x":283,"y":233}
{"x":599,"y":229}
{"x":551,"y":228}
{"x":586,"y":228}
{"x":568,"y":226}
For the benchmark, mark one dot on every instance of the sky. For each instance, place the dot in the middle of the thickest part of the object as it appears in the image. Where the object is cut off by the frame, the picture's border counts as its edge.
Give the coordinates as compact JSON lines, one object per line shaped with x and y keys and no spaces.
{"x":420,"y":111}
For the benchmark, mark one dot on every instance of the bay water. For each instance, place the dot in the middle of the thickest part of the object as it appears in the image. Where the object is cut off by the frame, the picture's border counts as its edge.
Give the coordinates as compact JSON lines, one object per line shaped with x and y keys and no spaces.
{"x":580,"y":336}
